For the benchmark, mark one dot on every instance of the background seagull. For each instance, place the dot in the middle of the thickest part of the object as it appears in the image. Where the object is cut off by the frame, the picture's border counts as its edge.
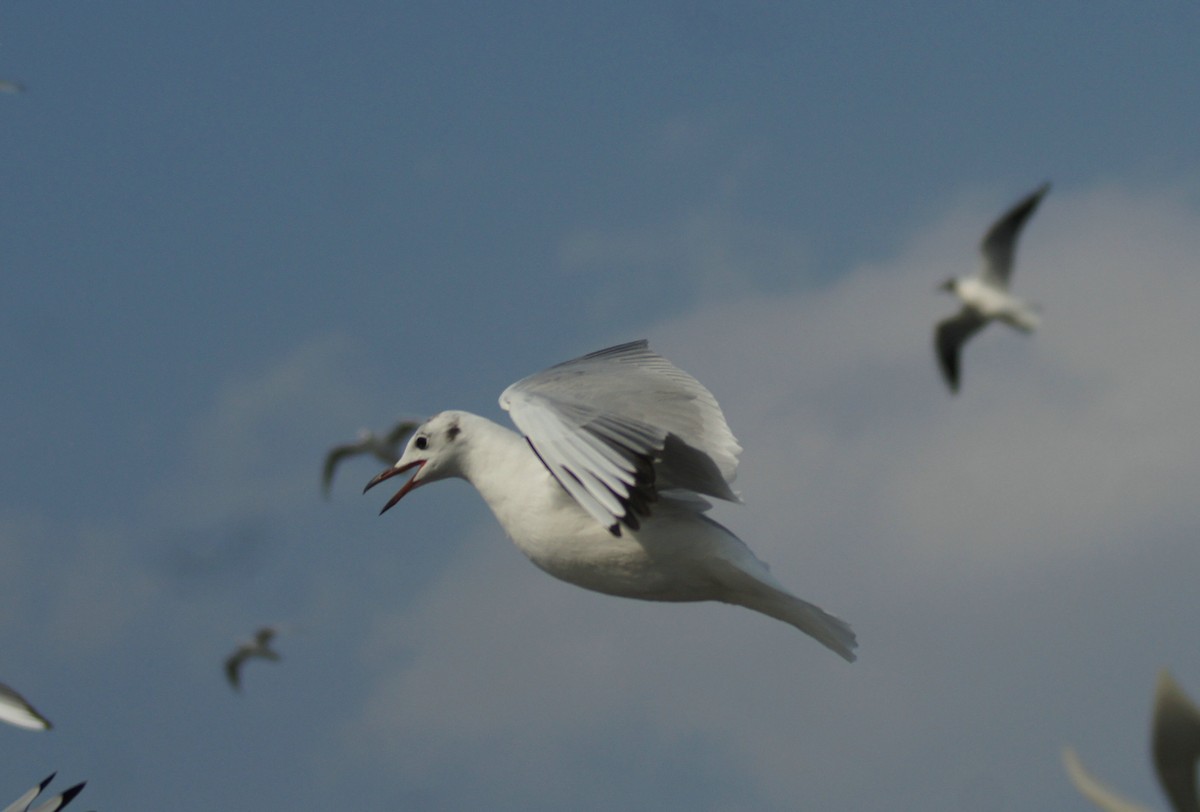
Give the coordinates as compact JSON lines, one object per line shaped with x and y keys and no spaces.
{"x":9,"y":86}
{"x":260,"y":646}
{"x":1174,"y":746}
{"x":985,"y":295}
{"x":385,"y":448}
{"x":604,"y":489}
{"x":15,"y":710}
{"x":50,"y":804}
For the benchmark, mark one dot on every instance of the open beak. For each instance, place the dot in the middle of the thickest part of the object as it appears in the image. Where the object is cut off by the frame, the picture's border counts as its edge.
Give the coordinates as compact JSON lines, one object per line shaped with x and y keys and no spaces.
{"x":391,"y":472}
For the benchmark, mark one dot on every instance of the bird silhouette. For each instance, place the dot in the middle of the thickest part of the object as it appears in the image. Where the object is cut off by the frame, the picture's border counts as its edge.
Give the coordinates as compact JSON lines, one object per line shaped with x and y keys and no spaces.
{"x":385,"y":448}
{"x":260,"y":646}
{"x":985,"y":295}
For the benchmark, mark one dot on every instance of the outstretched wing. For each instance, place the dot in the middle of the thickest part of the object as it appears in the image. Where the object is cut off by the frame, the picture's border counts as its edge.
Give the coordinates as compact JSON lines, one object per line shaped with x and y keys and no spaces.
{"x":618,"y":426}
{"x":1093,"y":790}
{"x":62,"y":799}
{"x":16,"y":710}
{"x":999,"y":245}
{"x":49,"y":805}
{"x":399,"y":431}
{"x":335,"y":456}
{"x":1175,"y":741}
{"x":948,"y":339}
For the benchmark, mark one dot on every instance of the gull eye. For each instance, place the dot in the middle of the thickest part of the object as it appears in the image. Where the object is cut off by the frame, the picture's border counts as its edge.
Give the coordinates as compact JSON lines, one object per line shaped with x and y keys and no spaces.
{"x":421,"y":442}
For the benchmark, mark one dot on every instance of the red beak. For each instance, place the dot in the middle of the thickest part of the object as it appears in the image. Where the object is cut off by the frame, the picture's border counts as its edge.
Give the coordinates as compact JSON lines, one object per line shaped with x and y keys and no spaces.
{"x":388,"y":474}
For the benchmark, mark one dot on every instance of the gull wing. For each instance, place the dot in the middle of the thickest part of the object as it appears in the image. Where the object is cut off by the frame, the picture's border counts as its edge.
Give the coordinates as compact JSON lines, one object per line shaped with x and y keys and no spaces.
{"x":948,"y":338}
{"x":50,"y":804}
{"x":233,"y":667}
{"x":618,"y":426}
{"x":22,"y":803}
{"x":1000,"y":243}
{"x":62,"y":799}
{"x":1175,"y":742}
{"x":15,"y":710}
{"x":399,"y":431}
{"x":1092,"y":789}
{"x":335,"y":456}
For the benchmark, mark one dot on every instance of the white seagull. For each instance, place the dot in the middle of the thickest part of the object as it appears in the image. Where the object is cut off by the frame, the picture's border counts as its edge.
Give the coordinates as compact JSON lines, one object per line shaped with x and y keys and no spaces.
{"x":50,"y":804}
{"x":1175,"y":748}
{"x":604,"y":486}
{"x":15,"y":710}
{"x":385,"y":448}
{"x":260,"y":646}
{"x":985,"y":295}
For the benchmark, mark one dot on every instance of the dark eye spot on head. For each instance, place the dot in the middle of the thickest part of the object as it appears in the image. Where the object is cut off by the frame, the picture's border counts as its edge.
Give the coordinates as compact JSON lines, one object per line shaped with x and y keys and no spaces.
{"x":421,"y":442}
{"x":452,"y":432}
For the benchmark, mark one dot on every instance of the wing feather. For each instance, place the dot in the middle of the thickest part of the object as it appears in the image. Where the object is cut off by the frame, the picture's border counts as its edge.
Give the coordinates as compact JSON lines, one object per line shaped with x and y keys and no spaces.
{"x":617,"y":426}
{"x":999,"y":245}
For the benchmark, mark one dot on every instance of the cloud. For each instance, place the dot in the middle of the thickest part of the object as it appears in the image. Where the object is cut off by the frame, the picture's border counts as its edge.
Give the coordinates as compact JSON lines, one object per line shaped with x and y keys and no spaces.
{"x":1010,"y":557}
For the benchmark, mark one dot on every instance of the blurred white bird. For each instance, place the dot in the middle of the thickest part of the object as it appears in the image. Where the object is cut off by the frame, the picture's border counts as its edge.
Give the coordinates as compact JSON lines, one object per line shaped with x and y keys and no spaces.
{"x":16,"y":710}
{"x":985,"y":295}
{"x":50,"y":804}
{"x":260,"y":646}
{"x":604,"y":489}
{"x":1174,"y":746}
{"x":385,"y":448}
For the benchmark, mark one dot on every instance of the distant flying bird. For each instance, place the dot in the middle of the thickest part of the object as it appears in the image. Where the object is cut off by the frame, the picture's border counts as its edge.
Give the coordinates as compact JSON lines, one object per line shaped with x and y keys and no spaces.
{"x":50,"y":804}
{"x":1174,"y":747}
{"x":604,"y":487}
{"x":985,"y":295}
{"x":9,"y":86}
{"x":15,"y":710}
{"x":260,"y":646}
{"x":385,"y":448}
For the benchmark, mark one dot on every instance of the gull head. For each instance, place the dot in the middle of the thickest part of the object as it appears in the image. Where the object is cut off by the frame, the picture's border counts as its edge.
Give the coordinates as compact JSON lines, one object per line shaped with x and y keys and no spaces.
{"x":950,"y":285}
{"x":432,"y":453}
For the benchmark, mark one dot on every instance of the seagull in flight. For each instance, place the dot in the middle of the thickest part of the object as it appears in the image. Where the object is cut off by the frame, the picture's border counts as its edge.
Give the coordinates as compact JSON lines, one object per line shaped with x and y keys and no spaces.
{"x":604,"y":485}
{"x":9,"y":86}
{"x":985,"y":295}
{"x":260,"y":646}
{"x":385,"y":448}
{"x":1175,"y":748}
{"x":15,"y":710}
{"x":50,"y":804}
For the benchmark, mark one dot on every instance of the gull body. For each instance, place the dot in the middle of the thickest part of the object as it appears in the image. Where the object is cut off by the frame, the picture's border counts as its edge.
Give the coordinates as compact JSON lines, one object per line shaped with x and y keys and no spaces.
{"x":985,"y":295}
{"x":603,"y":488}
{"x":1174,"y":748}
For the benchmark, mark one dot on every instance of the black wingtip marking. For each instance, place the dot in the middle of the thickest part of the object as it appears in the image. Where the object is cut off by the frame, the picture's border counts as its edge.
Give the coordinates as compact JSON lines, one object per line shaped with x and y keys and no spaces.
{"x":69,"y":794}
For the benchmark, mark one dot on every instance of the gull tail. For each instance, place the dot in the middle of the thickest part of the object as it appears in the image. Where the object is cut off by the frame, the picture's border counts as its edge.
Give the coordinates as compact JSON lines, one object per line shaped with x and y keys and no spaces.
{"x":831,"y":632}
{"x":1025,"y":319}
{"x":752,"y":586}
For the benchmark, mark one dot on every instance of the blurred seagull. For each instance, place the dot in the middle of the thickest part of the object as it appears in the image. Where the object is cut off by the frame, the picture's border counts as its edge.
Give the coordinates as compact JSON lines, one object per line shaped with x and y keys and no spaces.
{"x":260,"y":646}
{"x":1175,"y":747}
{"x":15,"y":710}
{"x":385,"y":449}
{"x":9,"y":86}
{"x":985,"y":295}
{"x":50,"y":804}
{"x":604,"y":486}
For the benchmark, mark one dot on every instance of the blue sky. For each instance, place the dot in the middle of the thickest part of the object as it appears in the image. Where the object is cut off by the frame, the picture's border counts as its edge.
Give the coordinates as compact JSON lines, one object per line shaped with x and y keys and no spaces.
{"x":232,"y":236}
